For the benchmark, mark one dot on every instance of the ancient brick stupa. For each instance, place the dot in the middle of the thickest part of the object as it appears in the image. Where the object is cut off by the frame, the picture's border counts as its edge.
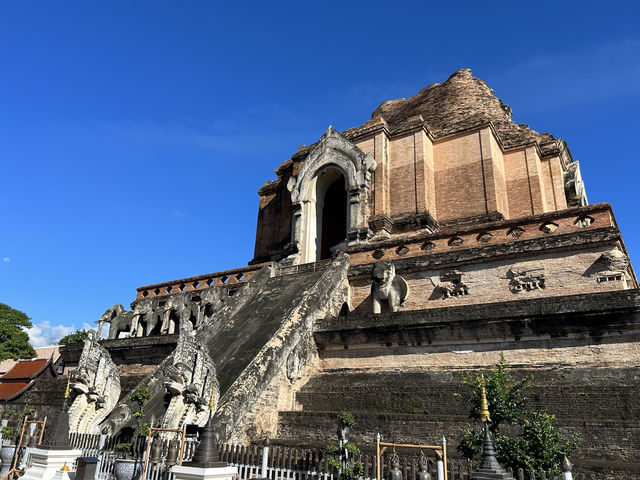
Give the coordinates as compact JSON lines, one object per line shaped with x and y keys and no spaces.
{"x":483,"y":242}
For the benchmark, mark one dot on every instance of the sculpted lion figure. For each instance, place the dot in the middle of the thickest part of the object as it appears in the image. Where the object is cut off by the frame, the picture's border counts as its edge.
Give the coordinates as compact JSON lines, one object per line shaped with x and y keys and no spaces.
{"x":387,"y":286}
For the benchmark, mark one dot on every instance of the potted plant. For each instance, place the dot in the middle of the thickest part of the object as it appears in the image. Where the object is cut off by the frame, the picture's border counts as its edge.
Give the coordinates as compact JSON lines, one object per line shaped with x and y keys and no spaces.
{"x":9,"y":433}
{"x":129,"y":466}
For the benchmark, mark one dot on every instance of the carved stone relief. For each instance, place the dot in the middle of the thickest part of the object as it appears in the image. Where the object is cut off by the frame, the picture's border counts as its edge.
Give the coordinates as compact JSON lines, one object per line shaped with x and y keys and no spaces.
{"x":451,"y":284}
{"x":610,"y":266}
{"x":96,"y":385}
{"x":526,"y":277}
{"x":189,"y":382}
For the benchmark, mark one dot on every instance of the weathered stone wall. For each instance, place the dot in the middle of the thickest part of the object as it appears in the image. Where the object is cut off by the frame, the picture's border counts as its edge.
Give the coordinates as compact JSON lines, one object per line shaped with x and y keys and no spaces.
{"x":564,"y":273}
{"x":399,"y":373}
{"x":600,"y":404}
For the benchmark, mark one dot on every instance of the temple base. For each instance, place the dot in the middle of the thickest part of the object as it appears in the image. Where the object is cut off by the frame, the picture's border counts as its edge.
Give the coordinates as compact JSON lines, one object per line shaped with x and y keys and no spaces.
{"x":45,"y":464}
{"x":181,"y":472}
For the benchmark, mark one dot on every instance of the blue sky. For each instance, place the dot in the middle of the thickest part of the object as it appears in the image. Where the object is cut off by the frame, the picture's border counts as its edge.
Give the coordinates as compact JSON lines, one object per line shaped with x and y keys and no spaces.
{"x":134,"y":135}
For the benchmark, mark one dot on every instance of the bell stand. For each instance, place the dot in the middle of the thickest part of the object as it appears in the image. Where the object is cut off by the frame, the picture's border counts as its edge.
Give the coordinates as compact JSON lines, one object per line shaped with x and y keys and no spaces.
{"x":11,"y":473}
{"x":153,"y":430}
{"x":439,"y":450}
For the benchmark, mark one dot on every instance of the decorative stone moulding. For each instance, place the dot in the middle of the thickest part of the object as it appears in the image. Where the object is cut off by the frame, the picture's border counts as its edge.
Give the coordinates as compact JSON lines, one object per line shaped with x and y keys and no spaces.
{"x":402,"y":250}
{"x":427,"y":246}
{"x":615,"y":277}
{"x":515,"y":232}
{"x":584,"y":221}
{"x":484,"y":237}
{"x":378,"y":254}
{"x":236,"y":276}
{"x":548,"y":227}
{"x":455,"y":242}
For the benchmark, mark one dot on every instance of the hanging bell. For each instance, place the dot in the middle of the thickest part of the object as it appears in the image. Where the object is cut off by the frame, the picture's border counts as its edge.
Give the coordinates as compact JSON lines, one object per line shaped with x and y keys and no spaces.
{"x":26,"y":438}
{"x":423,"y":474}
{"x":156,"y":450}
{"x":395,"y":473}
{"x":172,"y":454}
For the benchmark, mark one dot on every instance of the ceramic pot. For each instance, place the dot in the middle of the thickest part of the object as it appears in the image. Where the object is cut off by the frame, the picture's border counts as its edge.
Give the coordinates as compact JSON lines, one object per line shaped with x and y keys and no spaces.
{"x":6,"y":458}
{"x":127,"y":469}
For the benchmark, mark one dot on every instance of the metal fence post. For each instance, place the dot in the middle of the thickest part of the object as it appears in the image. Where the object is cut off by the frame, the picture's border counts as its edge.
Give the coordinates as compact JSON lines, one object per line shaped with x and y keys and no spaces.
{"x":265,"y":456}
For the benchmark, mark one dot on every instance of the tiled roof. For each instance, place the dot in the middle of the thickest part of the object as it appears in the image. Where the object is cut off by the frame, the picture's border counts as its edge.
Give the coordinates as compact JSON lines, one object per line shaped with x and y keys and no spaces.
{"x":9,"y":390}
{"x":42,"y":352}
{"x":25,"y":370}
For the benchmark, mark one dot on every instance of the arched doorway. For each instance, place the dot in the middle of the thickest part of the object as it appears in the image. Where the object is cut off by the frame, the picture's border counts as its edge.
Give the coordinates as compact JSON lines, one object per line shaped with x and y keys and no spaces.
{"x":331,"y":212}
{"x":332,"y":157}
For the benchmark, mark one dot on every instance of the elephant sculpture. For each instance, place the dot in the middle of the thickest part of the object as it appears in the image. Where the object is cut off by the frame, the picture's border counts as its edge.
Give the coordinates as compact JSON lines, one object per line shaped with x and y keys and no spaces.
{"x":387,"y":286}
{"x":118,"y":319}
{"x":211,"y":300}
{"x":145,"y":317}
{"x":178,"y":308}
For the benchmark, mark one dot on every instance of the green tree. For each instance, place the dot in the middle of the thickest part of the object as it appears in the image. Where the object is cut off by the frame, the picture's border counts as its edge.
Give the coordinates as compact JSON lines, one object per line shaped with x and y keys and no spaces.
{"x":78,"y":336}
{"x":342,"y":457}
{"x":14,"y":341}
{"x":539,"y":444}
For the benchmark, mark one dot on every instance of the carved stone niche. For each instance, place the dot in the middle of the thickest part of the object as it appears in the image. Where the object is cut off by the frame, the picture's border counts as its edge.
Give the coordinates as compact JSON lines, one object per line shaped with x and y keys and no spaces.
{"x":609,"y":267}
{"x":526,"y":277}
{"x":451,"y":284}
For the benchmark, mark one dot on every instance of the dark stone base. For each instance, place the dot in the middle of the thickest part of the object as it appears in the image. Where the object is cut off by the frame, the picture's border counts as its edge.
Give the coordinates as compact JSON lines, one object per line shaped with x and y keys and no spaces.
{"x":486,"y":474}
{"x":205,"y":464}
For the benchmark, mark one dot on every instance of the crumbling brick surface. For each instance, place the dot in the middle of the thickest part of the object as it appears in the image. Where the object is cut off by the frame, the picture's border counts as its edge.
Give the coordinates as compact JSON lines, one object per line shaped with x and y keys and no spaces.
{"x":461,"y":103}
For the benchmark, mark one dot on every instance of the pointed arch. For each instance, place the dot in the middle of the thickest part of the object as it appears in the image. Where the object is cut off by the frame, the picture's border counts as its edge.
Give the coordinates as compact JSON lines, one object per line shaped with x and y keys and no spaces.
{"x":332,"y":153}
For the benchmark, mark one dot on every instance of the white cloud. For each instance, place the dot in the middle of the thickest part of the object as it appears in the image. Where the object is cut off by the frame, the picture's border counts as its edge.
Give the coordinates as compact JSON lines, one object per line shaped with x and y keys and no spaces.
{"x":44,"y":334}
{"x":6,"y":259}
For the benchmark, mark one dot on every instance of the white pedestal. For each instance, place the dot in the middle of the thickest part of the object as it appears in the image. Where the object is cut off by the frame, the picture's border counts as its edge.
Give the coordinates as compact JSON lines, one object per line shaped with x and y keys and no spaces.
{"x":181,"y":472}
{"x":46,"y":463}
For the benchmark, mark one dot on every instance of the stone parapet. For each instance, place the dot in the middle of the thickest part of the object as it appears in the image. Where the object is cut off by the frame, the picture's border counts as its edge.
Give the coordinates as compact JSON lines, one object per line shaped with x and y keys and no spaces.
{"x":231,"y":278}
{"x":504,"y":323}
